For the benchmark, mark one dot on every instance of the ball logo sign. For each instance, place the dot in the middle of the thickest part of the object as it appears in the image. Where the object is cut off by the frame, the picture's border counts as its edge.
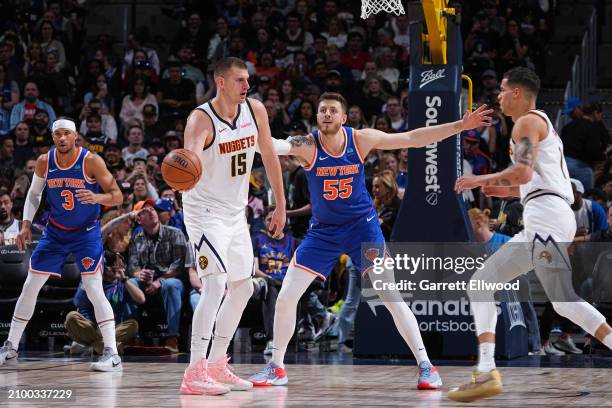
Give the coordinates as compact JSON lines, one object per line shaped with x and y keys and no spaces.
{"x":429,"y":76}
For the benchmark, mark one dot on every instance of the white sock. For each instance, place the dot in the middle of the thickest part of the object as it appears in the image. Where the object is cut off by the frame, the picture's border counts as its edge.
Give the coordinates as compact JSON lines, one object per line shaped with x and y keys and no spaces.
{"x":408,"y":327}
{"x":486,"y":357}
{"x":238,"y":295}
{"x":404,"y":319}
{"x":607,"y":341}
{"x":294,"y":285}
{"x":24,"y":309}
{"x":213,"y":287}
{"x":102,"y":309}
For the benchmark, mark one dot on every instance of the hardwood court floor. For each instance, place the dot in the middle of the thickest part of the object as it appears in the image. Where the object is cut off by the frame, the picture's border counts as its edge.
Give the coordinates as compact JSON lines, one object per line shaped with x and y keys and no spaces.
{"x":155,"y":385}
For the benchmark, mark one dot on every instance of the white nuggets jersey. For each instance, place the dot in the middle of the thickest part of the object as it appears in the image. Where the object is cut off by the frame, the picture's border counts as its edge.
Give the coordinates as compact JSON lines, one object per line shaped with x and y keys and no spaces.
{"x":550,"y":174}
{"x":226,"y":163}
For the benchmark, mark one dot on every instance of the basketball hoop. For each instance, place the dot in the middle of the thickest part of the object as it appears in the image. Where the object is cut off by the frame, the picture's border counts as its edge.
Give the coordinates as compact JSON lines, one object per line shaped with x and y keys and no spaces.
{"x":370,"y":7}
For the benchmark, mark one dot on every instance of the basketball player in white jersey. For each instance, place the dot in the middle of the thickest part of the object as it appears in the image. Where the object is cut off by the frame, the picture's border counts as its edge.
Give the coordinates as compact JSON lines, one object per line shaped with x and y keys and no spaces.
{"x":540,"y":178}
{"x":224,"y":132}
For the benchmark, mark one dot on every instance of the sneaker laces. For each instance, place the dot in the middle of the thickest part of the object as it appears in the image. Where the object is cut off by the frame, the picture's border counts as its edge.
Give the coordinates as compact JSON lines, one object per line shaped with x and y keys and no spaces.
{"x":227,"y":369}
{"x":200,"y":373}
{"x":424,"y":370}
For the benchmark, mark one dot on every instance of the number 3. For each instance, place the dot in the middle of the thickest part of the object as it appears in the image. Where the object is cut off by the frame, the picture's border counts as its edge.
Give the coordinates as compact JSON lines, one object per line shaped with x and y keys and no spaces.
{"x":343,"y":190}
{"x":68,"y":200}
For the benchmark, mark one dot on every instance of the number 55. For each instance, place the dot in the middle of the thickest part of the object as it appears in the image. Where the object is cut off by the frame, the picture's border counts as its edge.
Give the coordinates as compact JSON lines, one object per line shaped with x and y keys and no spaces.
{"x":333,"y":189}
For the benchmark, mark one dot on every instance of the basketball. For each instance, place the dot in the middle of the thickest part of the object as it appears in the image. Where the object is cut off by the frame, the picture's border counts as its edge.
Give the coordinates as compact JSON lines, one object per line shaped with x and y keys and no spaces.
{"x":181,"y":169}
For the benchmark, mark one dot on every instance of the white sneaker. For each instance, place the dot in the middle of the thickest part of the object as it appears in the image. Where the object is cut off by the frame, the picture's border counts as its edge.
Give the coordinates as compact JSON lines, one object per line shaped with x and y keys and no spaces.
{"x":567,"y":345}
{"x":8,"y":355}
{"x":550,"y":350}
{"x":269,"y":348}
{"x":108,"y":361}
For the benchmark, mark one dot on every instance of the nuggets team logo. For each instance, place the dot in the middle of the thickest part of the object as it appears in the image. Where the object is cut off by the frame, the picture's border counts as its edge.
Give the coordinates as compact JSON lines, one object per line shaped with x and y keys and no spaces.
{"x":203,"y":261}
{"x":87,"y":262}
{"x":545,"y":255}
{"x":372,"y":253}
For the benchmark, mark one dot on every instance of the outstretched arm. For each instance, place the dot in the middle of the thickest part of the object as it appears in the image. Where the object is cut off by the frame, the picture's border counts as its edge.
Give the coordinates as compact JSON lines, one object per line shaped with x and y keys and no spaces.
{"x":370,"y":139}
{"x":272,"y":165}
{"x":527,"y":133}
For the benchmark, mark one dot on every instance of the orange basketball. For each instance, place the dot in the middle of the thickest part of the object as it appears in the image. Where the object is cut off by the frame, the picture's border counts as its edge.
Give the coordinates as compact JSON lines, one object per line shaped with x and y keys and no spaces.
{"x":181,"y":169}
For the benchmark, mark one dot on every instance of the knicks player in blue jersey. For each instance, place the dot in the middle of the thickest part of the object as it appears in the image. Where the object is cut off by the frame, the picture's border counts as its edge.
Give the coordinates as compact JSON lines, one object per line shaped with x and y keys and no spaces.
{"x":72,"y":177}
{"x":343,"y":217}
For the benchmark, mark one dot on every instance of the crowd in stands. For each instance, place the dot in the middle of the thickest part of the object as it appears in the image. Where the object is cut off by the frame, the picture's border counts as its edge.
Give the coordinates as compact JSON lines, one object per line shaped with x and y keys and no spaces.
{"x":131,"y":109}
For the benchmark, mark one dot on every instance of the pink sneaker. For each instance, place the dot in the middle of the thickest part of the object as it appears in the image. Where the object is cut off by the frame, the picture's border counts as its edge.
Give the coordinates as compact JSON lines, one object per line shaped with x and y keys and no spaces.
{"x":197,"y":381}
{"x":223,"y":373}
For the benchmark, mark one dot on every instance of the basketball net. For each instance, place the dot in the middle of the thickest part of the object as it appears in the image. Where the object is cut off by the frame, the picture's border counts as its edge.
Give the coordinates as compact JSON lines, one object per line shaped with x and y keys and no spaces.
{"x":370,"y":7}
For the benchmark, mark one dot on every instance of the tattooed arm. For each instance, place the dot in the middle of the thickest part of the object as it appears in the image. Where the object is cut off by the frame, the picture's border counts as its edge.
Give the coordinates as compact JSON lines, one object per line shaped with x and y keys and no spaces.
{"x":528,"y":131}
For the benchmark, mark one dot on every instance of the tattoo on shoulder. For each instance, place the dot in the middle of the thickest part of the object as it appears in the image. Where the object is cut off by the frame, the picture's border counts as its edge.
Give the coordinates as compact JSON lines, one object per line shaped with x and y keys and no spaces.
{"x":296,"y":141}
{"x":524,"y":152}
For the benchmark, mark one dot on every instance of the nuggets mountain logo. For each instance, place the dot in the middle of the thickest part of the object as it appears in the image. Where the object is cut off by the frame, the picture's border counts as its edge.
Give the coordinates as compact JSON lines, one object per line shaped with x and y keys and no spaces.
{"x":203,"y":261}
{"x":87,"y":262}
{"x":546,"y":255}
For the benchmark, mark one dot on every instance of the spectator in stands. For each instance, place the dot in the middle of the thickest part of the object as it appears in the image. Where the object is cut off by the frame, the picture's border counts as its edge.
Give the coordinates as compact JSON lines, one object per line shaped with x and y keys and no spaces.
{"x":582,"y":142}
{"x":117,"y":228}
{"x":386,"y":201}
{"x":604,"y":133}
{"x":348,"y":311}
{"x":5,"y":120}
{"x":49,"y":44}
{"x":153,"y":129}
{"x":184,"y":56}
{"x":298,"y":39}
{"x":194,"y":35}
{"x":135,"y":138}
{"x":604,"y":235}
{"x":355,"y":118}
{"x":272,"y":258}
{"x":218,"y":43}
{"x":373,"y":97}
{"x":387,"y":69}
{"x":108,"y":125}
{"x":590,"y":216}
{"x":100,"y":92}
{"x":23,"y":144}
{"x":135,"y":43}
{"x":96,"y":140}
{"x":40,"y":126}
{"x":141,"y":67}
{"x":112,"y":155}
{"x":394,"y":112}
{"x":307,"y":115}
{"x":401,"y":31}
{"x":172,"y":141}
{"x":489,"y":85}
{"x":7,"y":166}
{"x":157,"y":257}
{"x":26,"y":109}
{"x":9,"y":225}
{"x":176,"y":94}
{"x":480,"y":162}
{"x":298,"y":196}
{"x":133,"y":103}
{"x":512,"y":47}
{"x":122,"y":293}
{"x":9,"y":90}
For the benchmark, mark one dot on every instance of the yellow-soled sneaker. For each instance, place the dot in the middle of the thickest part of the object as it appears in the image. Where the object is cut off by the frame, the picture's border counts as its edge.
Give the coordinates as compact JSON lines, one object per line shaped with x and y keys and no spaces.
{"x":483,"y":385}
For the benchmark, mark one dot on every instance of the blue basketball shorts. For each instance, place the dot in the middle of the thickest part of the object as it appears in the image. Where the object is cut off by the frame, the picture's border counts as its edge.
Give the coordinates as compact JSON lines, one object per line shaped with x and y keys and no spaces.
{"x":323,"y":244}
{"x":56,"y":244}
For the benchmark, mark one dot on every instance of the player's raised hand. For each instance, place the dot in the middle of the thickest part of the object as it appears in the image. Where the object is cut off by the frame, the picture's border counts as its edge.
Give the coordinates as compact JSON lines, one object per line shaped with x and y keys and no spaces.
{"x":24,"y":238}
{"x":277,"y":224}
{"x":475,"y":119}
{"x":467,"y":182}
{"x":86,"y":196}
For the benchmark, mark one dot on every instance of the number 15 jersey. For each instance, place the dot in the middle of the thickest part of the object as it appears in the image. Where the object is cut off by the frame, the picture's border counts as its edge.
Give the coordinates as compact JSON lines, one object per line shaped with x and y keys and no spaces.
{"x":226,"y":163}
